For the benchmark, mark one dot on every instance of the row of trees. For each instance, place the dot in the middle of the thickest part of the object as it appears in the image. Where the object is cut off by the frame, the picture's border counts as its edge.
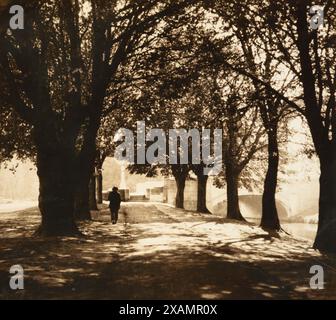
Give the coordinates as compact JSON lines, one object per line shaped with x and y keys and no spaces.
{"x":81,"y":69}
{"x":194,"y":91}
{"x":58,"y":74}
{"x":281,"y":33}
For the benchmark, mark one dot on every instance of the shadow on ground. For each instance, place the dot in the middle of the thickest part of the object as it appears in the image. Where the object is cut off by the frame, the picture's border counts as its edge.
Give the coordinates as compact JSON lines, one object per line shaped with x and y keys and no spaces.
{"x":157,"y":252}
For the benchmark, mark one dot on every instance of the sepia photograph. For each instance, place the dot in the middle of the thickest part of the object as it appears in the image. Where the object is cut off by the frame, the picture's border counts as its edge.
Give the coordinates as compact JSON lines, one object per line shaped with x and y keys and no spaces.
{"x":167,"y":150}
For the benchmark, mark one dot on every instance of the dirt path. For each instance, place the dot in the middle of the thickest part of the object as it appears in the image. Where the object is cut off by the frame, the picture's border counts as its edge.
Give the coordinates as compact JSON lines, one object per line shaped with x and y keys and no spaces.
{"x":158,"y":252}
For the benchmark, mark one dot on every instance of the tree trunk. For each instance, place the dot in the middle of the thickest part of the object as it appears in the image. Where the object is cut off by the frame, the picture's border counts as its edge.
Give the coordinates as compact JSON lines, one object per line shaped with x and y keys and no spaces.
{"x":86,"y":170}
{"x":180,"y":173}
{"x":92,"y":194}
{"x":201,"y":193}
{"x":82,"y":206}
{"x":56,"y":197}
{"x":269,"y":218}
{"x":233,"y":210}
{"x":325,"y":240}
{"x":99,"y":186}
{"x":180,"y":185}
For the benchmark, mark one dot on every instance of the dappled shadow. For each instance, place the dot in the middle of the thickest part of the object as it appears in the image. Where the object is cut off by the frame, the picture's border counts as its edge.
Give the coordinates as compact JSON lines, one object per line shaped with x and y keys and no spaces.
{"x":159,"y":253}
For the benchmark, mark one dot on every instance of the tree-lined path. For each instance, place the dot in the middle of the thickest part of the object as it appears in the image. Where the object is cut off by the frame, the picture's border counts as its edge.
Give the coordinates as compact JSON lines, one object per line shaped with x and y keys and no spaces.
{"x":158,"y":252}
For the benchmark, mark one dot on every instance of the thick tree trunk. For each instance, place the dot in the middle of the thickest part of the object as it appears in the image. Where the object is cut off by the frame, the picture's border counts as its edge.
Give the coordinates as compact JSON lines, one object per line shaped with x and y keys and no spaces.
{"x":86,"y":169}
{"x":233,"y":209}
{"x":325,"y":240}
{"x":92,"y":194}
{"x":56,"y":197}
{"x":269,"y":218}
{"x":180,"y":186}
{"x":201,"y":193}
{"x":82,"y":206}
{"x":99,"y":186}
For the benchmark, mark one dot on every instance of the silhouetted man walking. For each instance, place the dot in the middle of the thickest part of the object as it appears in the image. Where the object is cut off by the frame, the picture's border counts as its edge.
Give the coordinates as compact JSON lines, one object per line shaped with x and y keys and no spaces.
{"x":115,"y":199}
